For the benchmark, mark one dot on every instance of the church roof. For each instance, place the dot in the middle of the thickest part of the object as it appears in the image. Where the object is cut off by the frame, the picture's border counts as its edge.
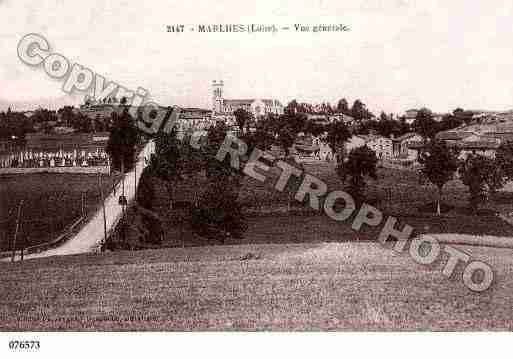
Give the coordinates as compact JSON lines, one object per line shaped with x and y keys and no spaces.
{"x":269,"y":102}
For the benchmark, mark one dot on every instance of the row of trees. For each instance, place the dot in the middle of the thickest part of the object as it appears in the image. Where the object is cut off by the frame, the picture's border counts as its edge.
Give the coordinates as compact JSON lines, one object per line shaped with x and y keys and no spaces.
{"x":482,"y":175}
{"x":358,"y":110}
{"x":15,"y":125}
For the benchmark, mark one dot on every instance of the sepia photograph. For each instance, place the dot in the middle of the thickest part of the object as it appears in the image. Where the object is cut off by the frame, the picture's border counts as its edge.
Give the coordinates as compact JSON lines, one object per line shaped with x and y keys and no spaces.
{"x":266,"y":168}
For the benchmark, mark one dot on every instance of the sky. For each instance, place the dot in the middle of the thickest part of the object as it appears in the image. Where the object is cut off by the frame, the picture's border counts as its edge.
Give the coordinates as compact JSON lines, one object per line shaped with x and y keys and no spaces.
{"x":399,"y":54}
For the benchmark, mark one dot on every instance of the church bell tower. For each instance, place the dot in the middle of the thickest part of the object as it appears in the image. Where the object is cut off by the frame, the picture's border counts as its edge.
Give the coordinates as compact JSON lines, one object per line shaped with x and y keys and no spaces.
{"x":217,"y":96}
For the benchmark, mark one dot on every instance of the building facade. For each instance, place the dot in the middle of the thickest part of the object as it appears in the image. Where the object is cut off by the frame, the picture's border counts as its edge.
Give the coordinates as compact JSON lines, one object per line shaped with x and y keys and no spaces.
{"x":382,"y":146}
{"x":401,"y":145}
{"x":257,"y":107}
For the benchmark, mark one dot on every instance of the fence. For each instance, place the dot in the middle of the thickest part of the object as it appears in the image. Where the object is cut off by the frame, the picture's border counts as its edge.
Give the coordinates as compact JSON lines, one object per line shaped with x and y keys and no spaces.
{"x":64,"y":236}
{"x":21,"y":232}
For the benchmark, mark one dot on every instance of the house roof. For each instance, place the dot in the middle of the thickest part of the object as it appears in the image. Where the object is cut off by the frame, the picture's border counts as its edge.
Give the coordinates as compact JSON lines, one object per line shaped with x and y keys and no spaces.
{"x":454,"y":135}
{"x":306,"y":148}
{"x":416,"y":144}
{"x":370,"y":138}
{"x":237,"y":102}
{"x":404,"y":137}
{"x":503,"y":137}
{"x":481,"y":144}
{"x":272,"y":102}
{"x":504,"y":128}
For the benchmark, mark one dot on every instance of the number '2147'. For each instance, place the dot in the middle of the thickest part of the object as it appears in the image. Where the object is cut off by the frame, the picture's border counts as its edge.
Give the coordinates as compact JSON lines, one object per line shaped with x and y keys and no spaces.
{"x":175,"y":28}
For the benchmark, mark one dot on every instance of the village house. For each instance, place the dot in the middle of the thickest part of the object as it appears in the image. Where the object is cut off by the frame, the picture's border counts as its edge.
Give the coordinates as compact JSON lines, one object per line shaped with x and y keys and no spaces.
{"x":382,"y":146}
{"x":475,"y":144}
{"x":330,"y":118}
{"x":401,"y":145}
{"x":410,"y":115}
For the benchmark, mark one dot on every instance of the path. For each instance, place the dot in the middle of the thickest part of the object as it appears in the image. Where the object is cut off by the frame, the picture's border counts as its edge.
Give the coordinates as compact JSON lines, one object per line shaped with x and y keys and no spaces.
{"x":90,"y":236}
{"x":473,"y":240}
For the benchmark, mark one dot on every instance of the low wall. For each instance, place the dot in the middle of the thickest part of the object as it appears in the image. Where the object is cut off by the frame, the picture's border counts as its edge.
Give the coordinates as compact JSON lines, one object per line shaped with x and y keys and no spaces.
{"x":20,"y":170}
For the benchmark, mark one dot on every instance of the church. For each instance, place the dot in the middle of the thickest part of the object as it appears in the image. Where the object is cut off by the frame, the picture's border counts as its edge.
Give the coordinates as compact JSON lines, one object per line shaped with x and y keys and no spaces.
{"x":258,"y":107}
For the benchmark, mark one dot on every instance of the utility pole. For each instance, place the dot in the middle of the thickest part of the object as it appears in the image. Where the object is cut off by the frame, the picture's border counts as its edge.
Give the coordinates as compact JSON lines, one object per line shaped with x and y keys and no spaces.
{"x":123,"y":202}
{"x":23,"y":245}
{"x":16,"y":231}
{"x":135,"y":177}
{"x":83,"y":204}
{"x":104,"y":215}
{"x":123,"y":177}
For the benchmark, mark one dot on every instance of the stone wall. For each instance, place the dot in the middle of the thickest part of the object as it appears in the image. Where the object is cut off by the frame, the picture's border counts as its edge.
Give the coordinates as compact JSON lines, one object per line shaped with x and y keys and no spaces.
{"x":21,"y":170}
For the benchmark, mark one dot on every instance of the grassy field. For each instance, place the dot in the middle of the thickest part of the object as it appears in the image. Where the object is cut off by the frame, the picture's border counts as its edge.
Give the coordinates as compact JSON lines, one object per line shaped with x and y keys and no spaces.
{"x":395,"y":192}
{"x":316,"y":286}
{"x":51,"y":202}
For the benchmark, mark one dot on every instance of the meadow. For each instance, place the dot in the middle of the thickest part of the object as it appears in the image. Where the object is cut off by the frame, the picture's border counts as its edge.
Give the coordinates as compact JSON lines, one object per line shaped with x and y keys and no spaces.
{"x":396,"y":192}
{"x":50,"y":203}
{"x":312,"y":286}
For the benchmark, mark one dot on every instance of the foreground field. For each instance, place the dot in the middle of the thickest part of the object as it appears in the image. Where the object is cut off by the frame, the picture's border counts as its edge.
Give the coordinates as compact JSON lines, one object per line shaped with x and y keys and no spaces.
{"x":51,"y":202}
{"x":328,"y":286}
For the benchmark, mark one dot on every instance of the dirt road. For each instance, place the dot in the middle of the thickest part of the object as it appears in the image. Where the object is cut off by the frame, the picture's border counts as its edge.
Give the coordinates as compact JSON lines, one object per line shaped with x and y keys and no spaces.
{"x":91,"y":235}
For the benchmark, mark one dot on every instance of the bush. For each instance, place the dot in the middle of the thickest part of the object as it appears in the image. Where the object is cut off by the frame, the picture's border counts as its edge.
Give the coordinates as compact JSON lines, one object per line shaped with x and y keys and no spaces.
{"x":218,"y":215}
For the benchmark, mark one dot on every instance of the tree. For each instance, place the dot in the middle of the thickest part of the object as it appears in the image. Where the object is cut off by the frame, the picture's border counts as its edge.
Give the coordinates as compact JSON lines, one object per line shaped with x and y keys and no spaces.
{"x":424,"y":124}
{"x":458,"y":111}
{"x":292,"y":108}
{"x":439,"y":163}
{"x":449,"y":122}
{"x":260,"y":139}
{"x":482,"y":177}
{"x":43,"y":115}
{"x":218,"y":214}
{"x":386,"y":126}
{"x":66,"y":115}
{"x":403,"y":127}
{"x":359,"y":111}
{"x":315,"y":128}
{"x":337,"y":136}
{"x":243,"y":118}
{"x":360,"y":163}
{"x":285,"y":128}
{"x":122,"y":140}
{"x":167,"y":161}
{"x":14,"y":126}
{"x":343,"y":107}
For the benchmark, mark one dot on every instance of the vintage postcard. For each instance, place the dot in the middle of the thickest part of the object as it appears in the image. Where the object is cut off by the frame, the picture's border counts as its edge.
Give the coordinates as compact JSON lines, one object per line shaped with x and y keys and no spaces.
{"x":255,"y":166}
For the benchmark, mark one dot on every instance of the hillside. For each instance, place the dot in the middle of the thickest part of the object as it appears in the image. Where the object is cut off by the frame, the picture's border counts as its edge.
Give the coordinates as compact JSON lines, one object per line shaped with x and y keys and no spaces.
{"x":336,"y":286}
